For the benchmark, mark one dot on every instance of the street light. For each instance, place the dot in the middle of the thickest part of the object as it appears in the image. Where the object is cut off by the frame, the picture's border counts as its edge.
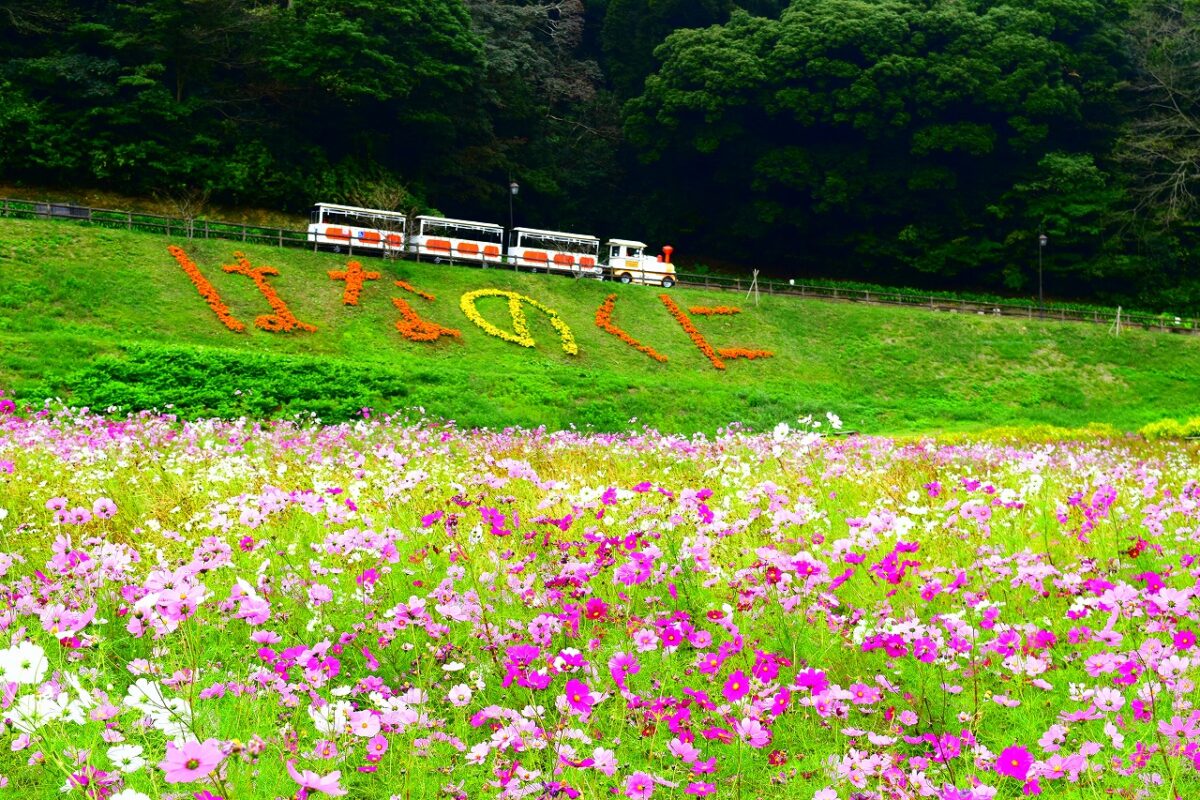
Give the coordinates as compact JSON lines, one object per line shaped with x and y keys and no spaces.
{"x":1043,"y":240}
{"x":513,"y":188}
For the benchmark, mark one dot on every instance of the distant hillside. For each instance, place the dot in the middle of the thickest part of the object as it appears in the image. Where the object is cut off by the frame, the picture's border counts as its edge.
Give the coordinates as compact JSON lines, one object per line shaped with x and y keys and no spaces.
{"x":103,"y":317}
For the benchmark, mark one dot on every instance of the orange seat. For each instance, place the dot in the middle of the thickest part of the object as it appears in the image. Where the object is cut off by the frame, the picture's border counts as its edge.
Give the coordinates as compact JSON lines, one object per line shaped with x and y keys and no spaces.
{"x":468,"y":248}
{"x":564,"y":259}
{"x":394,"y":240}
{"x":536,"y":255}
{"x":337,"y":233}
{"x":491,"y":251}
{"x":587,"y":261}
{"x":438,"y":244}
{"x":371,"y":237}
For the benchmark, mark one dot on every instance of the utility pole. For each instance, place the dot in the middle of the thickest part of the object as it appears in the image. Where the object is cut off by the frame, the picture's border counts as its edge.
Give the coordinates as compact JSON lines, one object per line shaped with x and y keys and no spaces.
{"x":513,"y":188}
{"x":1043,"y":240}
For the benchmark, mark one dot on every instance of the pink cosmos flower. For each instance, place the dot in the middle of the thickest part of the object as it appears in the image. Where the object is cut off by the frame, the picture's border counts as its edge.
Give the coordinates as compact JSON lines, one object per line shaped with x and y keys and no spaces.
{"x":104,"y":508}
{"x":752,"y":732}
{"x":684,"y":751}
{"x":191,"y":762}
{"x":376,"y":747}
{"x":364,"y":723}
{"x":639,"y":786}
{"x":862,"y":694}
{"x":327,"y":784}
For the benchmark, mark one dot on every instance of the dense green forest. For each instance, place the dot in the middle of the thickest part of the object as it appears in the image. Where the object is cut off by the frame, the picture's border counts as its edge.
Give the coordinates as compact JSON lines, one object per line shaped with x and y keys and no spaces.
{"x":916,"y":142}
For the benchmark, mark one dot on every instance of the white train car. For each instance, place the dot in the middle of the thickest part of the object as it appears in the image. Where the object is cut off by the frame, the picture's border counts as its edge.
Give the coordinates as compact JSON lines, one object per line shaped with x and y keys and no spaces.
{"x":628,"y":263}
{"x":350,"y":229}
{"x":346,"y":229}
{"x":555,"y":251}
{"x":454,"y":240}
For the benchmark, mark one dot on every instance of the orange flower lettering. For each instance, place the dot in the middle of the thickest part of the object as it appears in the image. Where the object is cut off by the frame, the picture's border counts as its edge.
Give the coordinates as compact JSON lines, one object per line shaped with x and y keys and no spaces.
{"x":283,"y":319}
{"x":354,"y":276}
{"x":605,"y":323}
{"x":206,"y":290}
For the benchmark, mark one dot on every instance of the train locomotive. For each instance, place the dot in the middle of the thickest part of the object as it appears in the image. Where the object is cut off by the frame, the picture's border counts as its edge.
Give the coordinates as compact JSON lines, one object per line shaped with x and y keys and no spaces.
{"x":349,"y":229}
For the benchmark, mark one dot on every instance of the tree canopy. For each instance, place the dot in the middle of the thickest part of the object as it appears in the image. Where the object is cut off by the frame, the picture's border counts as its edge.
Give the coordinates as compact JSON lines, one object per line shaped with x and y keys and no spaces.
{"x":925,"y":142}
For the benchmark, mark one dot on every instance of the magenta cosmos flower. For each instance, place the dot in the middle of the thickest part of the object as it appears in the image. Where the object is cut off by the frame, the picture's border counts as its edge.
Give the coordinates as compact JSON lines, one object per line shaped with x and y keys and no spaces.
{"x":191,"y":762}
{"x":736,"y":686}
{"x":1014,"y":762}
{"x":579,"y":697}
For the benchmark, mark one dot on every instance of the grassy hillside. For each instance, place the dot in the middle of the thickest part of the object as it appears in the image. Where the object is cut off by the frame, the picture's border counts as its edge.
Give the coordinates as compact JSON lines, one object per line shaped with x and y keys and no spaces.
{"x":103,"y":317}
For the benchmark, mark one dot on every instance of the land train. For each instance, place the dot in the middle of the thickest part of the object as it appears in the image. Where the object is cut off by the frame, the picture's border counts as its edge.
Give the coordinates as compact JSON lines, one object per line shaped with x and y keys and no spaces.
{"x":348,"y":229}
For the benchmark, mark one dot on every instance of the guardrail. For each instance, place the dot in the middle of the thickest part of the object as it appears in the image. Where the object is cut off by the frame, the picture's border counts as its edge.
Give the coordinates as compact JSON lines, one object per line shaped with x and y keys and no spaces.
{"x":154,"y":223}
{"x":284,"y":237}
{"x":934,"y":303}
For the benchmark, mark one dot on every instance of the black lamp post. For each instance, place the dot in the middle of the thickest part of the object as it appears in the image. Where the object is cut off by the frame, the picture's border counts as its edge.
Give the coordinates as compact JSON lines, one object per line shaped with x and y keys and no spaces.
{"x":1043,"y":240}
{"x":513,"y":188}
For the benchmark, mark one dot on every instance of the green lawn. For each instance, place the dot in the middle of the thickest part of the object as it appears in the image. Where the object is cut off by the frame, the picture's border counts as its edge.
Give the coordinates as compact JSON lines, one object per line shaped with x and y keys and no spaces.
{"x":105,"y":317}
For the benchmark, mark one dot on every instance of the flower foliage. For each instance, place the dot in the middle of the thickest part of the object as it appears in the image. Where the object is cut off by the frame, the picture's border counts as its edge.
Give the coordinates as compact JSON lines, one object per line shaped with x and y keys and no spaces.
{"x":206,"y":289}
{"x":520,"y":332}
{"x":604,"y":322}
{"x":283,"y":319}
{"x":331,"y":610}
{"x":354,"y":276}
{"x":714,"y":311}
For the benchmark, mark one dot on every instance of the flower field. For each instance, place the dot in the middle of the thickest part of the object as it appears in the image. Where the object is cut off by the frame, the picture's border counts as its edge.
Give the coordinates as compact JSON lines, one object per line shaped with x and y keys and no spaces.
{"x":397,"y":608}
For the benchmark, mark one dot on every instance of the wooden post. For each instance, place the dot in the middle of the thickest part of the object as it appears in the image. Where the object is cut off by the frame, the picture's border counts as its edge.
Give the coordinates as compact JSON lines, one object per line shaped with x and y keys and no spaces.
{"x":243,"y":233}
{"x":129,"y":220}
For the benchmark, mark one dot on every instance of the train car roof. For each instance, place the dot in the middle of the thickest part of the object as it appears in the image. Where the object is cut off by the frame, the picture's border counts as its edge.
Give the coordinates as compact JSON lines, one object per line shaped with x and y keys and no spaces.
{"x":462,"y":222}
{"x":340,"y":207}
{"x":560,"y":234}
{"x":627,"y":243}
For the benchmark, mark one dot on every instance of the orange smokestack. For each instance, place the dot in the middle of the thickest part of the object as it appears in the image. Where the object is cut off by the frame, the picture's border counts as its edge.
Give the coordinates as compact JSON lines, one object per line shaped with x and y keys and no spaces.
{"x":667,"y":250}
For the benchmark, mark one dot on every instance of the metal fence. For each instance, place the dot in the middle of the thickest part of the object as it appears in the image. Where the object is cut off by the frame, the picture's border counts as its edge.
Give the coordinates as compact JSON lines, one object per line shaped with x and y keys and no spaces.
{"x":284,"y":237}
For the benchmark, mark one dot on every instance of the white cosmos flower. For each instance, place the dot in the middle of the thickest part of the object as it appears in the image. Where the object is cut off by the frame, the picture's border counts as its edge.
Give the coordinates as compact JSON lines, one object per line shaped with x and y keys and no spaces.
{"x":127,"y":757}
{"x":25,"y":663}
{"x":129,"y":794}
{"x":331,"y":718}
{"x":32,"y":711}
{"x":454,"y":666}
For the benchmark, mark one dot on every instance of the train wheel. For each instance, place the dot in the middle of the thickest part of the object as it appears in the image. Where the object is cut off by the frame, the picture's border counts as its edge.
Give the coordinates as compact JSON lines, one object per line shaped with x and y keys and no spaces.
{"x":668,"y":283}
{"x":625,"y":278}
